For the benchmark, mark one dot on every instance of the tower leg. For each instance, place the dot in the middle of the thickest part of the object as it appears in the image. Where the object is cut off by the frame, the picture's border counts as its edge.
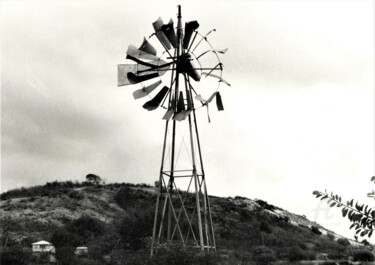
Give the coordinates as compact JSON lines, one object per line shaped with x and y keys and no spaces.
{"x":197,"y":192}
{"x":155,"y":223}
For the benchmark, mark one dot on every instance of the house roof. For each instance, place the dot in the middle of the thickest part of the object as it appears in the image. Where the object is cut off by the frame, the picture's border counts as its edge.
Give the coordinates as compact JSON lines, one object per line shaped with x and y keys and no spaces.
{"x":81,"y":248}
{"x":43,"y":242}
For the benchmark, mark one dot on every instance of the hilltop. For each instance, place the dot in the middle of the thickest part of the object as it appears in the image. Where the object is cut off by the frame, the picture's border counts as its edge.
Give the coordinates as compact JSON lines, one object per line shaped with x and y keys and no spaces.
{"x":115,"y":222}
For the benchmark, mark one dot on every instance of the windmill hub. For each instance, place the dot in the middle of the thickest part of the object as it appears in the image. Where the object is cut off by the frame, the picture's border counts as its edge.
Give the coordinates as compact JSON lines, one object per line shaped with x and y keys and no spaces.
{"x":185,"y":65}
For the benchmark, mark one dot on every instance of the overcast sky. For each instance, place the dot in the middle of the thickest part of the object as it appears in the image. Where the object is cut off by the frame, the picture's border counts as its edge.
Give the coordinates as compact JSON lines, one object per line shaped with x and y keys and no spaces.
{"x":299,"y":115}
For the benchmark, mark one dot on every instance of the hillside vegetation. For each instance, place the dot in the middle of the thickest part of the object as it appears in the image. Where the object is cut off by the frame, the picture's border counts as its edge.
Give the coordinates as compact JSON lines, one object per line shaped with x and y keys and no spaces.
{"x":115,"y":222}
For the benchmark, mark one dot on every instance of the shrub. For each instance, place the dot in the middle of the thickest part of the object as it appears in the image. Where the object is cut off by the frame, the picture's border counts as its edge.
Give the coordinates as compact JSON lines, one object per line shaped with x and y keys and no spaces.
{"x":174,"y":257}
{"x":265,"y":205}
{"x":245,"y":215}
{"x":134,"y":229}
{"x":363,"y":255}
{"x":240,"y":198}
{"x":63,"y":238}
{"x":75,"y":195}
{"x":86,"y":261}
{"x":208,"y":259}
{"x":94,"y":179}
{"x":330,"y":236}
{"x":297,"y":254}
{"x":65,"y":255}
{"x":265,"y":227}
{"x":125,"y":197}
{"x":327,"y":263}
{"x":343,"y":242}
{"x":263,"y":255}
{"x":87,"y":227}
{"x":14,"y":256}
{"x":316,"y":230}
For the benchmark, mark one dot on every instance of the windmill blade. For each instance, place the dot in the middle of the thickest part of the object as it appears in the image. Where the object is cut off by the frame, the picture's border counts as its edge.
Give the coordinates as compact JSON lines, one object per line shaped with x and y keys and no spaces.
{"x":140,"y":70}
{"x":137,"y":71}
{"x":134,"y":52}
{"x":199,"y":98}
{"x":155,"y":102}
{"x":189,"y":68}
{"x":222,"y":51}
{"x":135,"y":79}
{"x":149,"y":64}
{"x":161,"y":68}
{"x":152,"y":65}
{"x":203,"y":54}
{"x":180,"y":116}
{"x":205,"y":102}
{"x":189,"y":107}
{"x":192,"y":72}
{"x":186,"y":114}
{"x":216,"y":76}
{"x":211,"y":98}
{"x":140,"y":93}
{"x":181,"y":113}
{"x":180,"y":103}
{"x":122,"y":71}
{"x":169,"y":32}
{"x":160,"y":35}
{"x":189,"y":29}
{"x":168,"y":115}
{"x":147,"y":47}
{"x":189,"y":101}
{"x":219,"y":102}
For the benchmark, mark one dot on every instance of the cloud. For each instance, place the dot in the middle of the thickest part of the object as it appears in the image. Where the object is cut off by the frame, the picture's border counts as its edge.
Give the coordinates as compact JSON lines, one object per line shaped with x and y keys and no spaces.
{"x":298,"y":44}
{"x":48,"y":127}
{"x":300,"y":102}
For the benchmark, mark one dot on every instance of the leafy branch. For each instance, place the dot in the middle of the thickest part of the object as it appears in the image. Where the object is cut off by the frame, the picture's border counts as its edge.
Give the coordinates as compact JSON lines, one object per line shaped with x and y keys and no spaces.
{"x":362,"y":216}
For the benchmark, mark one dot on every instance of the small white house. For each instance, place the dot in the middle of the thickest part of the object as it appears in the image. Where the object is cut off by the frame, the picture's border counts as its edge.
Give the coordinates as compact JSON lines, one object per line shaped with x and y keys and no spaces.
{"x":43,"y":247}
{"x":81,"y":251}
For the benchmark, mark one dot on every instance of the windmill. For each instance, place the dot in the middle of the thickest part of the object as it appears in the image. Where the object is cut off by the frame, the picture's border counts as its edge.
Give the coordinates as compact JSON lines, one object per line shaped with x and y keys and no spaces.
{"x":187,"y":62}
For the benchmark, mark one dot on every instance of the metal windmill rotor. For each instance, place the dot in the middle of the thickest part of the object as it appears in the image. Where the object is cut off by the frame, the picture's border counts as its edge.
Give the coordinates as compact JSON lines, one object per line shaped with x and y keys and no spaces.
{"x":187,"y":68}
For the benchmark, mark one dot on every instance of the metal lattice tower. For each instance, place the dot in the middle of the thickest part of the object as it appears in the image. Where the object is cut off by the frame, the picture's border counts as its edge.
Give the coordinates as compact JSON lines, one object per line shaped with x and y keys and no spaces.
{"x":182,"y":212}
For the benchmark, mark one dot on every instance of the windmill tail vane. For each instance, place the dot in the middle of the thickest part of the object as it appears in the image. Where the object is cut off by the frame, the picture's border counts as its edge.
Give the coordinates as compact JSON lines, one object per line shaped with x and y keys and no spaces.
{"x":186,"y":70}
